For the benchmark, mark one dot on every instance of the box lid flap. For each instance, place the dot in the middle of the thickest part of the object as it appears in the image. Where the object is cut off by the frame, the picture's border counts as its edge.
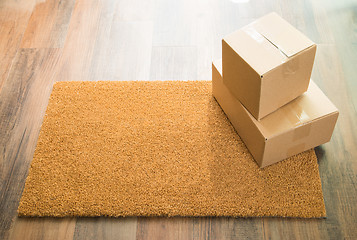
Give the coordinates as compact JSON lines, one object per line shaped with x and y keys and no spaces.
{"x":267,"y":42}
{"x":310,"y":106}
{"x":256,"y":50}
{"x":281,"y":34}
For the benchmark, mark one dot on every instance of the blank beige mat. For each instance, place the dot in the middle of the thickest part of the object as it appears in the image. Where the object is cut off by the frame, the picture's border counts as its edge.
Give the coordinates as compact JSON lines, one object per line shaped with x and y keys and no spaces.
{"x":161,"y":148}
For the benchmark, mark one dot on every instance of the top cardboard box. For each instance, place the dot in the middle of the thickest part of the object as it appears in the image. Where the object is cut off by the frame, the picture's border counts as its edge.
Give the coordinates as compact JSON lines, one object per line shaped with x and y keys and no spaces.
{"x":266,"y":64}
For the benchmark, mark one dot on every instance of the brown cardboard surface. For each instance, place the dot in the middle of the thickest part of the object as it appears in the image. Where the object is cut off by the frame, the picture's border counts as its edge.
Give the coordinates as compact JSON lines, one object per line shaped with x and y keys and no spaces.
{"x":282,"y":35}
{"x":286,"y":82}
{"x":266,"y":64}
{"x":237,"y":113}
{"x":311,"y":105}
{"x":248,"y":76}
{"x":304,"y":123}
{"x":160,"y":148}
{"x":260,"y":54}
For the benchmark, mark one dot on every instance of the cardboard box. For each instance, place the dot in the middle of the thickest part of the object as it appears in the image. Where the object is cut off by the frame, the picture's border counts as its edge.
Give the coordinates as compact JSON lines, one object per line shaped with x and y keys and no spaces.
{"x":304,"y":123}
{"x":266,"y":64}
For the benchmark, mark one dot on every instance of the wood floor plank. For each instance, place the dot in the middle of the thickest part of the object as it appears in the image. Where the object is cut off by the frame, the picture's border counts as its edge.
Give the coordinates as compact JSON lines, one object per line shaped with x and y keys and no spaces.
{"x":174,"y":23}
{"x":135,"y":10}
{"x":23,"y":103}
{"x":199,"y":228}
{"x":294,"y":229}
{"x":174,"y":63}
{"x":338,"y":170}
{"x":343,"y":25}
{"x":14,"y":16}
{"x":78,"y":49}
{"x":105,"y":228}
{"x":165,"y":228}
{"x":319,"y":28}
{"x":48,"y":24}
{"x":228,"y":228}
{"x":106,"y":48}
{"x":124,"y":53}
{"x":43,"y":228}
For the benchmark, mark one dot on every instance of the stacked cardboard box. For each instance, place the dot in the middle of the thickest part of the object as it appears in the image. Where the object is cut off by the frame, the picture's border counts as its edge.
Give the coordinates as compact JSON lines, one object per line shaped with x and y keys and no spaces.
{"x":263,"y":85}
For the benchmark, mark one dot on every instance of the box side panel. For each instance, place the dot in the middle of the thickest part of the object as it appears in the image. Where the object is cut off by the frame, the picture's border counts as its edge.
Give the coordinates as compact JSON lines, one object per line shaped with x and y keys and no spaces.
{"x":240,"y":118}
{"x":286,"y":82}
{"x":313,"y":104}
{"x":241,"y":80}
{"x":305,"y":61}
{"x":300,"y":139}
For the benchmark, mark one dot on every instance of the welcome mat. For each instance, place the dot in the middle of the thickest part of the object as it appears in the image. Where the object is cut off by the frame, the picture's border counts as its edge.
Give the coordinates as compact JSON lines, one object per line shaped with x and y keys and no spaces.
{"x":162,"y":148}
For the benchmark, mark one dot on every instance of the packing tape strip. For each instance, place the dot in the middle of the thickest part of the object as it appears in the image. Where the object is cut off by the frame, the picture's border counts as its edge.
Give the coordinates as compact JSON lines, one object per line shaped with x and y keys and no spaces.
{"x":260,"y":38}
{"x":297,"y":116}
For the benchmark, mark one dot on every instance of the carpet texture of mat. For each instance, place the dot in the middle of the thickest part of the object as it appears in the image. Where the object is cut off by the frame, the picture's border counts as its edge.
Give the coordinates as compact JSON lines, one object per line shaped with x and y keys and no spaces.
{"x":161,"y":148}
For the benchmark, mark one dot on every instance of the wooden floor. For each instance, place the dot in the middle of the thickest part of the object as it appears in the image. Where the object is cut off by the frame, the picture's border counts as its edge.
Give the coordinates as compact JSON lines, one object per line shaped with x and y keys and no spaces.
{"x":43,"y":41}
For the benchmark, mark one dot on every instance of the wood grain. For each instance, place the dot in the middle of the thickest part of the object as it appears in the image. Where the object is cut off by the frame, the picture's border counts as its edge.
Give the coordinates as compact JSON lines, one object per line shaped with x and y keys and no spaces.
{"x":23,"y":102}
{"x":118,"y":58}
{"x":106,"y":228}
{"x":43,"y":228}
{"x":231,"y":228}
{"x":174,"y":63}
{"x":135,"y":10}
{"x":14,"y":17}
{"x":78,"y":49}
{"x":159,"y":39}
{"x":47,"y":26}
{"x":165,"y":228}
{"x":337,"y":167}
{"x":98,"y":49}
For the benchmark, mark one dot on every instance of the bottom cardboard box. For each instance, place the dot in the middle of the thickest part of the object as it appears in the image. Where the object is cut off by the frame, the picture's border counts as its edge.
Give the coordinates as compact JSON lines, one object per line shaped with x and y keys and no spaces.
{"x":302,"y":124}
